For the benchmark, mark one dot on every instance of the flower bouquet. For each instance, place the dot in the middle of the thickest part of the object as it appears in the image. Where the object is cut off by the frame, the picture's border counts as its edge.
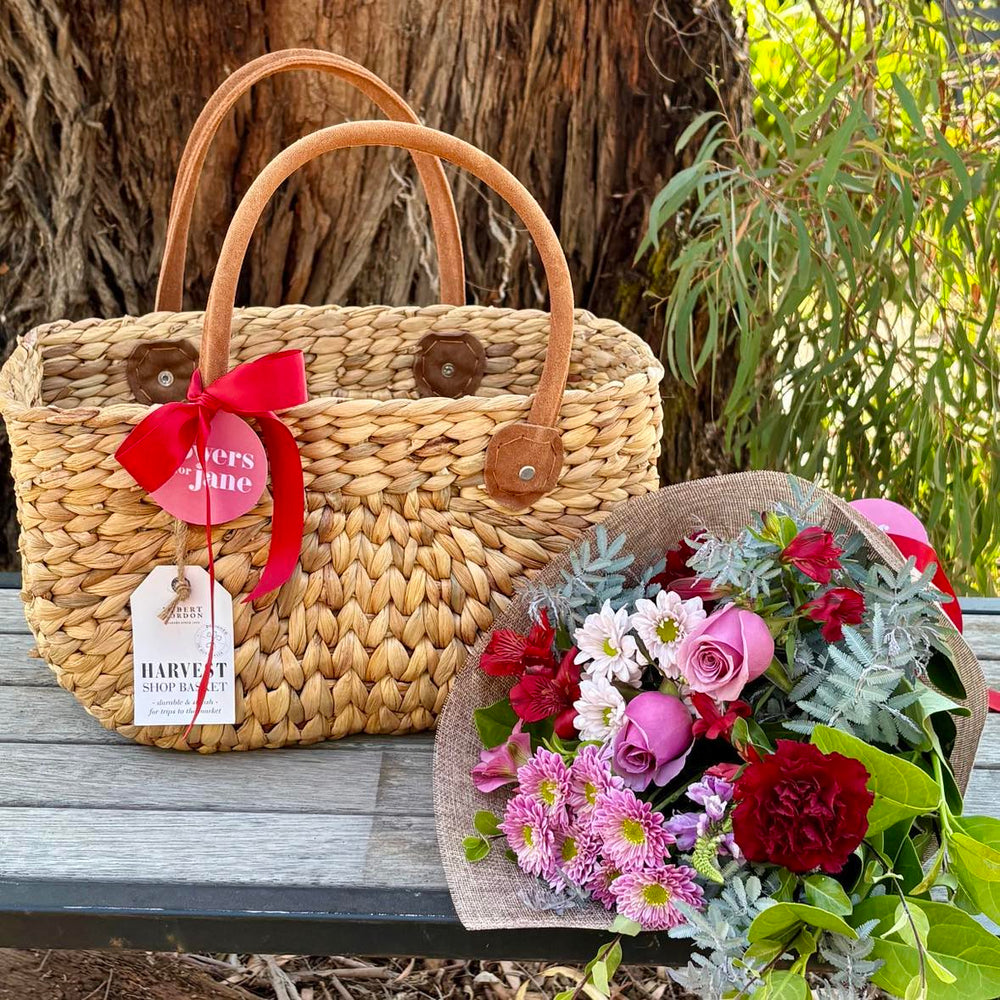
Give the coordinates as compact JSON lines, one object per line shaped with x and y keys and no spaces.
{"x":755,"y":740}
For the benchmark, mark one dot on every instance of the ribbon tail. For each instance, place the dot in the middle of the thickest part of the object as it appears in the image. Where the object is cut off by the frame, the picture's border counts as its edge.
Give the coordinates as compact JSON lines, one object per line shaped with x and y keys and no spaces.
{"x":206,"y":673}
{"x":288,"y":494}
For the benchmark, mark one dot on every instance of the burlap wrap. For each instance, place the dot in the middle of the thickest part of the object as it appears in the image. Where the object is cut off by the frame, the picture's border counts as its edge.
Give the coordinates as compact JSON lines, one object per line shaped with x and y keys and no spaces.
{"x":492,"y":893}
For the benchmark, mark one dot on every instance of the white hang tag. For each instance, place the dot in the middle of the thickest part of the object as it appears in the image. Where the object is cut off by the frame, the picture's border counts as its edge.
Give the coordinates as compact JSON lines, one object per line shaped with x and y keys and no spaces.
{"x":169,"y":657}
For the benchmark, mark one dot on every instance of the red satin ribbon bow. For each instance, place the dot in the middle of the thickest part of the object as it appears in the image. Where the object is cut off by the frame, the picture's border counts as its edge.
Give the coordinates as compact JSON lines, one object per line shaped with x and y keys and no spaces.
{"x":158,"y":445}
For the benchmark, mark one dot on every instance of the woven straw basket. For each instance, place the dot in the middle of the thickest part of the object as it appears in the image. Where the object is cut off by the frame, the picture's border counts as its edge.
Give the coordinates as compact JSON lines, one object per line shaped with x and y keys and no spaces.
{"x":421,"y":513}
{"x":494,"y":893}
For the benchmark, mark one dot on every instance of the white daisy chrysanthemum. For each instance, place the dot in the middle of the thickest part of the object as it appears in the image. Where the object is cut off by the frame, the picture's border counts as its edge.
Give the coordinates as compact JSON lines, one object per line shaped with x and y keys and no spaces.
{"x":663,"y":625}
{"x":604,"y":640}
{"x":600,"y":710}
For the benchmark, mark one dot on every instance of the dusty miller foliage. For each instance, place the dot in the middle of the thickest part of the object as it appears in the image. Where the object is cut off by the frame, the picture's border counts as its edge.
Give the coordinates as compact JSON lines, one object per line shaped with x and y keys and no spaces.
{"x":719,"y":932}
{"x":597,"y":573}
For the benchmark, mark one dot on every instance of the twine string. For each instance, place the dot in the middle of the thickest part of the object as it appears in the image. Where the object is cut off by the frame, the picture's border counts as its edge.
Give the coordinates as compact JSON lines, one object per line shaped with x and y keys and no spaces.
{"x":181,"y":585}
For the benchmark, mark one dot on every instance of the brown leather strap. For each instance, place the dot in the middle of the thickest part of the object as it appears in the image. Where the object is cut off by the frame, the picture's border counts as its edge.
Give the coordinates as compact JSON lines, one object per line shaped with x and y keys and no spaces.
{"x":170,"y":289}
{"x":524,"y":460}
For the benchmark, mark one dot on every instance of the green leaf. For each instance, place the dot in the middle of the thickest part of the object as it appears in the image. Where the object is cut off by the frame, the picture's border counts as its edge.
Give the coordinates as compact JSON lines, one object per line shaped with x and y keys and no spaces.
{"x":909,"y":104}
{"x":765,"y":951}
{"x":954,"y":159}
{"x":901,"y":789}
{"x":623,"y":925}
{"x":828,"y":894}
{"x":931,"y":878}
{"x":955,"y":942}
{"x":688,"y":133}
{"x":835,"y":154}
{"x":600,"y":978}
{"x":972,"y":852}
{"x":677,"y":191}
{"x":781,"y":985}
{"x":783,"y":920}
{"x":495,"y":723}
{"x":487,"y":823}
{"x":788,"y":882}
{"x":942,"y":674}
{"x":476,"y":848}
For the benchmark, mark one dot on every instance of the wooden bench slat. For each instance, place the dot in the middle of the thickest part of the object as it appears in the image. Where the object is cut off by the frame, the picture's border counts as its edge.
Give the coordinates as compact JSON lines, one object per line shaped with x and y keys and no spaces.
{"x":367,"y":775}
{"x":219,"y":848}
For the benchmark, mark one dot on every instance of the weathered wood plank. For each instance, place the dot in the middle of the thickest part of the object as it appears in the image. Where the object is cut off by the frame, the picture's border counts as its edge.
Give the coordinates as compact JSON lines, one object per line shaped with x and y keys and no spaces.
{"x":219,"y":848}
{"x":982,"y":797}
{"x":18,"y":668}
{"x":982,"y":633}
{"x":48,"y":715}
{"x":12,"y":614}
{"x":364,"y":774}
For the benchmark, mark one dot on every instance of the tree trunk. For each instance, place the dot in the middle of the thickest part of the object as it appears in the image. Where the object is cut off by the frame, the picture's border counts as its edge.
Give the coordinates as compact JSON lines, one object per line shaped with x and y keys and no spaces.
{"x":582,"y":100}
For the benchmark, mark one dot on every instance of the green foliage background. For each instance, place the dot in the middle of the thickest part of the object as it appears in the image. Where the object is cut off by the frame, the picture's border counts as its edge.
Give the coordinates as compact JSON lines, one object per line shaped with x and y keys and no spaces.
{"x":847,"y":248}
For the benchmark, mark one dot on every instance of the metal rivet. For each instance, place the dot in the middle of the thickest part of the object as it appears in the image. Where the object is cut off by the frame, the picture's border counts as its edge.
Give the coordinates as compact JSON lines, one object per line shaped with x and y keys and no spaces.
{"x":166,"y":379}
{"x":527,"y":472}
{"x":447,"y":369}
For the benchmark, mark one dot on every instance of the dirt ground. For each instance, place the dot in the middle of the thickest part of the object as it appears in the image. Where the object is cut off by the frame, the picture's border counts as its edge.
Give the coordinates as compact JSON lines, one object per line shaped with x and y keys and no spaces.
{"x":132,"y":975}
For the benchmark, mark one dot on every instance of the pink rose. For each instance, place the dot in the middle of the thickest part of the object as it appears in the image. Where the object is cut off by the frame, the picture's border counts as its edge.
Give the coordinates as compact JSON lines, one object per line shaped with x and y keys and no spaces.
{"x":725,"y":652}
{"x":654,"y":742}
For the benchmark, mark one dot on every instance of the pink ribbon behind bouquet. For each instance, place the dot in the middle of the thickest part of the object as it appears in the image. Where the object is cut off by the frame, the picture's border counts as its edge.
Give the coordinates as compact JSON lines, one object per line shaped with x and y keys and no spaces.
{"x":910,"y":537}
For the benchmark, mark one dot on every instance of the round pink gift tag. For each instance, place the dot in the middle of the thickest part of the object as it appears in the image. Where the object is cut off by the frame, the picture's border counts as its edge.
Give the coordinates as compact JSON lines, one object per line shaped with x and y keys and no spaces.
{"x":236,"y":475}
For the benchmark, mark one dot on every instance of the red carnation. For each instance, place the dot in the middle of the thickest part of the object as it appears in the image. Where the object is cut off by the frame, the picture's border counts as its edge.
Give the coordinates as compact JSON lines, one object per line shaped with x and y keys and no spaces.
{"x":711,"y":722}
{"x":801,"y":808}
{"x":510,"y":654}
{"x":835,"y":609}
{"x":814,"y":551}
{"x":543,"y":694}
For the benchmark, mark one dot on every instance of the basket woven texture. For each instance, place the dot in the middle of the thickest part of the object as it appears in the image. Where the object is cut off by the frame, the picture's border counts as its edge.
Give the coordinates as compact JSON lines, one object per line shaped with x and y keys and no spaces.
{"x":405,"y":559}
{"x":494,"y":893}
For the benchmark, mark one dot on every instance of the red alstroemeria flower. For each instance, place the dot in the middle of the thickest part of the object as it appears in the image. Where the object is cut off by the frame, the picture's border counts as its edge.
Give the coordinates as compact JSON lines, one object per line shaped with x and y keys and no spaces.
{"x":677,"y":565}
{"x":836,"y":608}
{"x":727,"y":772}
{"x":712,"y":723}
{"x":814,"y":552}
{"x":510,"y":654}
{"x":542,"y":695}
{"x":677,"y":575}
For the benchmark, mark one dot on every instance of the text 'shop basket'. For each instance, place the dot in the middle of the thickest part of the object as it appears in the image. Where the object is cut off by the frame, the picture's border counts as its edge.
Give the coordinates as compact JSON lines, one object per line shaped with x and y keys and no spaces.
{"x":733,"y":713}
{"x":420,"y":511}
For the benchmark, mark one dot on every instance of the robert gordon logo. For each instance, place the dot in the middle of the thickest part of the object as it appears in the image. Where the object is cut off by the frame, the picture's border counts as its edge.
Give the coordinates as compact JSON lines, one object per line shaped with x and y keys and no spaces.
{"x":186,"y":614}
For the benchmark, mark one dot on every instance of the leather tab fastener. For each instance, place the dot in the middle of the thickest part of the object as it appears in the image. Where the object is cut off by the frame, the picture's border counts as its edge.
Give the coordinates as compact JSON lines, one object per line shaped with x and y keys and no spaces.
{"x":159,"y":371}
{"x":523,"y":464}
{"x":449,"y":364}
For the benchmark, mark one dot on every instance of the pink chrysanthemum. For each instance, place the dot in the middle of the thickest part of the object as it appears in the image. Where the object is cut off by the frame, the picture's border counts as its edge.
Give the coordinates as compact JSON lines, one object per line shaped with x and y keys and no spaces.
{"x":577,"y":853}
{"x":590,"y":776}
{"x":600,"y":882}
{"x":632,"y":835}
{"x":528,"y":829}
{"x":649,"y":897}
{"x":546,"y":778}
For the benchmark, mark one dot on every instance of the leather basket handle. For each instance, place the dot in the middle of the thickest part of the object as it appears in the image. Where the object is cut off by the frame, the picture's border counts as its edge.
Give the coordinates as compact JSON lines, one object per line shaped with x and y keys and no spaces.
{"x":523,"y":459}
{"x":170,"y":288}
